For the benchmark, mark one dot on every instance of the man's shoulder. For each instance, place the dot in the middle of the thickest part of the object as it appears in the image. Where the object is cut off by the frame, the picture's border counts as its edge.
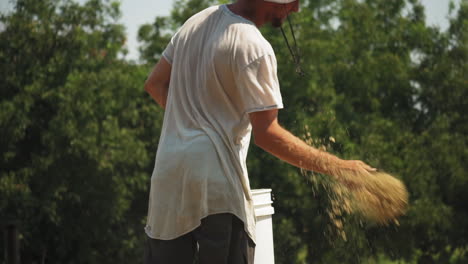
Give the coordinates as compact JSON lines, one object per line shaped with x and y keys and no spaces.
{"x":209,"y":10}
{"x":244,"y":30}
{"x":252,"y":37}
{"x":203,"y":13}
{"x":252,"y":46}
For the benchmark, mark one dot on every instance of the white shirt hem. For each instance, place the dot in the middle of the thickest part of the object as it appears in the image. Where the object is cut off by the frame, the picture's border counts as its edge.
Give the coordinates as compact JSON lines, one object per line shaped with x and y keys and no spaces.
{"x":198,"y":223}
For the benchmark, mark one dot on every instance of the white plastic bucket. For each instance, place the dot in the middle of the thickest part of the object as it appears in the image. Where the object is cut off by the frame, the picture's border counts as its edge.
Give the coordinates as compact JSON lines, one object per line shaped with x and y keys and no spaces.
{"x":264,"y":253}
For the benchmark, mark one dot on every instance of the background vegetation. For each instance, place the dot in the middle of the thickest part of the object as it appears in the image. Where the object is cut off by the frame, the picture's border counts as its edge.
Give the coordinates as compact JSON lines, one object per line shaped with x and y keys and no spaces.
{"x":79,"y":134}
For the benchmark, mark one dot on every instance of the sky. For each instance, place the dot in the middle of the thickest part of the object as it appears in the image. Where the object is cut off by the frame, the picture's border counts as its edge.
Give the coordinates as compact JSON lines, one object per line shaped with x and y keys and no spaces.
{"x":138,"y":12}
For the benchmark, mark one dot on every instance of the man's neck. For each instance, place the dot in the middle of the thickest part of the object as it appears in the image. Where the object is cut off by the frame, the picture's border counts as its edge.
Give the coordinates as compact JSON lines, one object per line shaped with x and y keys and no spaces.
{"x":247,"y":10}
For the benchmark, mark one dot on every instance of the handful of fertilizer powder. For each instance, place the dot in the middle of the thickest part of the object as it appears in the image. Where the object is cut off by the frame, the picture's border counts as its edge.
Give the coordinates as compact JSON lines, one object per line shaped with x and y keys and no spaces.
{"x":377,"y":196}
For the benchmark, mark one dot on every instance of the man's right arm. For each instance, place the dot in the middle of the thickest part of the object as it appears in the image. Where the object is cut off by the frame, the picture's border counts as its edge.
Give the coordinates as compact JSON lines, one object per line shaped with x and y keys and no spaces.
{"x":273,"y":138}
{"x":157,"y":84}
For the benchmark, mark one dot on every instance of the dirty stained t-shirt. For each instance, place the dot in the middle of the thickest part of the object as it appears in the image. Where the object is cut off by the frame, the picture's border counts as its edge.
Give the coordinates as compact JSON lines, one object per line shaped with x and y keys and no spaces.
{"x":222,"y":69}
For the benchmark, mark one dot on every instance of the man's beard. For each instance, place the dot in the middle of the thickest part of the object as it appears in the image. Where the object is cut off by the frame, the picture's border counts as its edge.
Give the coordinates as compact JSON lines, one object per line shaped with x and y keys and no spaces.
{"x":277,"y":22}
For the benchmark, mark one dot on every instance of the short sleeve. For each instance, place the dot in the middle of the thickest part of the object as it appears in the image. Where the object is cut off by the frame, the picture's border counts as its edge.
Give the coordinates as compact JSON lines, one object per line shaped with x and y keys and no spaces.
{"x":258,"y":85}
{"x":168,"y":53}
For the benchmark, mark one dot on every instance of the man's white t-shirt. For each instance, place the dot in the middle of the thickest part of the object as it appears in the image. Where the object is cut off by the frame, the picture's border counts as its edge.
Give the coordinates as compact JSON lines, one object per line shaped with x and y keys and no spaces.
{"x":222,"y":69}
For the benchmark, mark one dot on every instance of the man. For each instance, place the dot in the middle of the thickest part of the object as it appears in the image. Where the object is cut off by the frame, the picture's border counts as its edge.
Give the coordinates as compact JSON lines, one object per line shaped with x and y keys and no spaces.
{"x":217,"y":82}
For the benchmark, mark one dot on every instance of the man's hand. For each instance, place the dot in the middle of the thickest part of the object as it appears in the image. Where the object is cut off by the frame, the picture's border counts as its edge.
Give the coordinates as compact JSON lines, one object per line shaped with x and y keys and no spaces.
{"x":157,"y":84}
{"x":346,"y":172}
{"x":356,"y":165}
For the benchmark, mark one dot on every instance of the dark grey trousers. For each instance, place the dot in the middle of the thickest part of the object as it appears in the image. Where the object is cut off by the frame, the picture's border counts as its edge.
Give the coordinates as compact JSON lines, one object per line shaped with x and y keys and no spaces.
{"x":220,"y":239}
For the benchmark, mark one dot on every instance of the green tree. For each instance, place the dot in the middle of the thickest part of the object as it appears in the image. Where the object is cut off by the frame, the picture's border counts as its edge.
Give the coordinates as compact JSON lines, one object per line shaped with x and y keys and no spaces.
{"x":154,"y":37}
{"x":77,"y":134}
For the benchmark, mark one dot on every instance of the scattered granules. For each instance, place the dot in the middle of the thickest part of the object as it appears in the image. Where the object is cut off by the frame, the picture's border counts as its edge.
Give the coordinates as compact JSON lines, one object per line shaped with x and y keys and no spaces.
{"x":377,"y":197}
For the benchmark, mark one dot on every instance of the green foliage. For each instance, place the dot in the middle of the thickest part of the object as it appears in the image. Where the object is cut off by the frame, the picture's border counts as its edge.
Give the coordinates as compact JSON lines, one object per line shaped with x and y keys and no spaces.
{"x":154,"y":37}
{"x":78,"y":134}
{"x":375,"y":103}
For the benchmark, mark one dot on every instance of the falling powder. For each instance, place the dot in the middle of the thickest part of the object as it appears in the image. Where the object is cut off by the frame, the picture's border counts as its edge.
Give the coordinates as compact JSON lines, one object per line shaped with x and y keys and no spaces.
{"x":377,"y":197}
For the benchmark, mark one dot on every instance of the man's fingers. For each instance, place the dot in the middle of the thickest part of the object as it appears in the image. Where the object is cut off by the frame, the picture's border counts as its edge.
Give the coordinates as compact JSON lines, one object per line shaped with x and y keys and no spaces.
{"x":358,"y":165}
{"x":367,"y":167}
